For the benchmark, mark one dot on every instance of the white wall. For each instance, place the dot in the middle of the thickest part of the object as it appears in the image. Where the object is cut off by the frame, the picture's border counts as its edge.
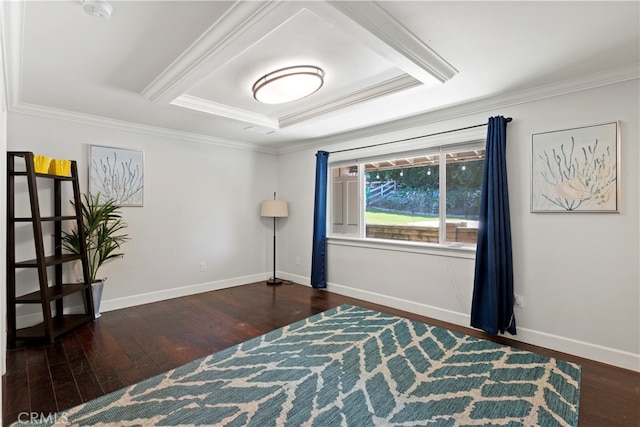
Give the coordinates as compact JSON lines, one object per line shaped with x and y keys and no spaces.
{"x":578,"y":273}
{"x":201,"y":204}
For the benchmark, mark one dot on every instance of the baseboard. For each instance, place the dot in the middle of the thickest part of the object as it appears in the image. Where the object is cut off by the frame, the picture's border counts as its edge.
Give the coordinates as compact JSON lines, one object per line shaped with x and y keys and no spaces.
{"x":301,"y":280}
{"x":146,"y":298}
{"x":149,"y":297}
{"x":579,"y":348}
{"x":401,"y":304}
{"x":608,"y":355}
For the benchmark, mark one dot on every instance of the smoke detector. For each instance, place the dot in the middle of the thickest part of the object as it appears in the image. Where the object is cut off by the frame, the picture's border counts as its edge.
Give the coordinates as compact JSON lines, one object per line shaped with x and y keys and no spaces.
{"x":97,"y":8}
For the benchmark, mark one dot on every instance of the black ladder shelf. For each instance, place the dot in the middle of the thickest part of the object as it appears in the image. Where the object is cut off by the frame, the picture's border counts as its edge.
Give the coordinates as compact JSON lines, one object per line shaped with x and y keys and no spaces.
{"x":52,"y":326}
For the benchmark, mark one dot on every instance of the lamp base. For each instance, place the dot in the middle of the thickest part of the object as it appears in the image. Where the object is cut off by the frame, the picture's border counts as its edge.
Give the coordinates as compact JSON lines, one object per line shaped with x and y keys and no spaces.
{"x":274,"y":281}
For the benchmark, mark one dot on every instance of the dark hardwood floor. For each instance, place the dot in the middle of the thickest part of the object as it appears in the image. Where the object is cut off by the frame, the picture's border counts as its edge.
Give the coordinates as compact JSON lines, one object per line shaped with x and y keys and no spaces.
{"x":129,"y":345}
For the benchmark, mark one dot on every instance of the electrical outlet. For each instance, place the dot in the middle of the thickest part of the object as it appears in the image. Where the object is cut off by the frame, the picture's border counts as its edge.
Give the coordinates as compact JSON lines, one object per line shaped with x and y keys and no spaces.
{"x":297,"y":260}
{"x":203,"y":266}
{"x":519,"y":300}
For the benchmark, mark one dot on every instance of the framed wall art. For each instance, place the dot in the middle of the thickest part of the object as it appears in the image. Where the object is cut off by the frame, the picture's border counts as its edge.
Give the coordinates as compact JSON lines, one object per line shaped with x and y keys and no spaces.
{"x":117,"y":173}
{"x":576,"y":170}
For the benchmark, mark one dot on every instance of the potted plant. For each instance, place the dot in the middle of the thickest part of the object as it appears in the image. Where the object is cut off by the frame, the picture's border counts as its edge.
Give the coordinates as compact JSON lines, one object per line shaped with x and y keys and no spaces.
{"x":103,"y":225}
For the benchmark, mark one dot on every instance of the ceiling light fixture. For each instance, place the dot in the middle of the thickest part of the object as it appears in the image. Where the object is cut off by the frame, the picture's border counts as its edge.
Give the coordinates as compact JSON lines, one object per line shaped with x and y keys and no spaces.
{"x":288,"y":84}
{"x":97,"y":8}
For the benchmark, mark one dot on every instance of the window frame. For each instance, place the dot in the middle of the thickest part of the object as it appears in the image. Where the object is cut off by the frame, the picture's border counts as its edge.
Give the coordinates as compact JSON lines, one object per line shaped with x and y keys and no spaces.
{"x":440,"y":144}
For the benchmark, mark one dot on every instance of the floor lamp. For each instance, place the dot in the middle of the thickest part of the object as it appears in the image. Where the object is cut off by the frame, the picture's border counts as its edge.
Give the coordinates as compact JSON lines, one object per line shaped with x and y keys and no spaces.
{"x":275,"y":209}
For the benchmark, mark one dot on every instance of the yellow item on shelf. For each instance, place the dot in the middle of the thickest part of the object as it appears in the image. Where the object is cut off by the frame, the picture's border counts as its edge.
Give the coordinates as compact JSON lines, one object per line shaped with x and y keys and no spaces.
{"x":41,"y":163}
{"x":60,"y":167}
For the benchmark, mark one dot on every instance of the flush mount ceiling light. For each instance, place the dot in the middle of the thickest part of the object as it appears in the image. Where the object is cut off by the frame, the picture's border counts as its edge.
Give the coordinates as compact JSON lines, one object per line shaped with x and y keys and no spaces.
{"x":97,"y":8}
{"x":288,"y":84}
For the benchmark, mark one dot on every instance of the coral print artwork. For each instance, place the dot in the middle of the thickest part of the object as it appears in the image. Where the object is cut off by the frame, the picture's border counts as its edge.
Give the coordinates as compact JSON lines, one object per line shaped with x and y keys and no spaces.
{"x":576,"y":170}
{"x":117,"y":174}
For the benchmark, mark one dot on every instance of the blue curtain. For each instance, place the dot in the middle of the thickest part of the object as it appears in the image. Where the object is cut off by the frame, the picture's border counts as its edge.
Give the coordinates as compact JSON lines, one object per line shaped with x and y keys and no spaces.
{"x":319,"y":251}
{"x":492,"y":305}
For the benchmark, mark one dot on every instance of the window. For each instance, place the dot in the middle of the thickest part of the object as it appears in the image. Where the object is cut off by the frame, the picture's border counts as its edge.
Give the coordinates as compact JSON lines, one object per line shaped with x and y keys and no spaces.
{"x":428,"y":196}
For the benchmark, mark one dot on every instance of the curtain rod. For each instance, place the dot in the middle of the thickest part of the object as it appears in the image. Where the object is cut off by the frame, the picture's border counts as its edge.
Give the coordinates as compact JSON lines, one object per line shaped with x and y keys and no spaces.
{"x":507,"y":120}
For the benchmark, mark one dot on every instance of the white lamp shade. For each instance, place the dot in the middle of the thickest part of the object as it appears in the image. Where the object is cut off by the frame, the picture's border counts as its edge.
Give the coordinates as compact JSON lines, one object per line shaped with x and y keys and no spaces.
{"x":274,"y":208}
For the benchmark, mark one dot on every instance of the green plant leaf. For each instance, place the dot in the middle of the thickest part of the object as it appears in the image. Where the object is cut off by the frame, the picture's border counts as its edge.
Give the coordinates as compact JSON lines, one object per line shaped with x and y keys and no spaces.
{"x":103,"y":226}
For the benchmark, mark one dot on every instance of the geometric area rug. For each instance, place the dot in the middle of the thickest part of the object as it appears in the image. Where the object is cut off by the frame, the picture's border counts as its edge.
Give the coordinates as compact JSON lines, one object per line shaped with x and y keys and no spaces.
{"x":350,"y":366}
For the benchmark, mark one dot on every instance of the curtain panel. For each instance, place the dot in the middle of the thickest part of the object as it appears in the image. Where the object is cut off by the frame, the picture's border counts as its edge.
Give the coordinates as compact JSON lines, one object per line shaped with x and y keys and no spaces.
{"x":319,"y":250}
{"x":492,"y":304}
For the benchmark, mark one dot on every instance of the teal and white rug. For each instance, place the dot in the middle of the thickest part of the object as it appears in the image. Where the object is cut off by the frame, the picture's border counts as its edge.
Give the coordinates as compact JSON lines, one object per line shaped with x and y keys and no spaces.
{"x":350,"y":366}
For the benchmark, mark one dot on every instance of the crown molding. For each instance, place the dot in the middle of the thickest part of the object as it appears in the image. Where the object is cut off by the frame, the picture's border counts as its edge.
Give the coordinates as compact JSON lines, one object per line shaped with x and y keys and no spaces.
{"x":12,"y":31}
{"x":577,"y":84}
{"x":508,"y":99}
{"x":399,"y":45}
{"x":210,"y":107}
{"x":480,"y":105}
{"x":88,"y":119}
{"x":384,"y":88}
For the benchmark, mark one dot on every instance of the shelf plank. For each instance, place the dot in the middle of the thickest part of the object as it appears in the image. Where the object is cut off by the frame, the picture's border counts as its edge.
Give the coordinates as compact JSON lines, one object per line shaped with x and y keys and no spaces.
{"x":60,"y":326}
{"x":47,"y":218}
{"x":53,"y":293}
{"x":45,"y":175}
{"x":48,"y":261}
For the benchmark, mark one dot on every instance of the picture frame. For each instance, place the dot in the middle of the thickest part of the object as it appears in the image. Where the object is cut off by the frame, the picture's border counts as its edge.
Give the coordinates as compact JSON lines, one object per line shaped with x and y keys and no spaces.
{"x":117,"y":173}
{"x":576,"y":169}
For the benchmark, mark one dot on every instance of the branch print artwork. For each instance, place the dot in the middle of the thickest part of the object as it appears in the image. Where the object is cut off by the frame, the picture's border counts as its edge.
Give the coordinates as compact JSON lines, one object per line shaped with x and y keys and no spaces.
{"x":575,"y":170}
{"x":117,"y":174}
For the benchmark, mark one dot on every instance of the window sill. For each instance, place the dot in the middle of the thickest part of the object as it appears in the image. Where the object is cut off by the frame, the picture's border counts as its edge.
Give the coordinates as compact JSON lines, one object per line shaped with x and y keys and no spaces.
{"x":467,"y":252}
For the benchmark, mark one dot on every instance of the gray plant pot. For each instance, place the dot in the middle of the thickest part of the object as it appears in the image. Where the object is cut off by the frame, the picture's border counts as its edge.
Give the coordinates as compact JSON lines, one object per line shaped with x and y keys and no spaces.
{"x":96,"y":289}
